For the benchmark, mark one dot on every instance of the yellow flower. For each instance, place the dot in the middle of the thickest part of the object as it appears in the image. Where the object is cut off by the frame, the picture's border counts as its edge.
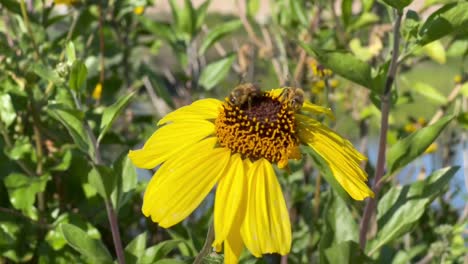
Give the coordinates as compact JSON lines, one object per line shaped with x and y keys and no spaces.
{"x":432,"y":148}
{"x":97,"y":92}
{"x":457,"y":79}
{"x":410,"y":128}
{"x":234,"y":145}
{"x":66,"y":2}
{"x":138,"y":10}
{"x":334,"y":83}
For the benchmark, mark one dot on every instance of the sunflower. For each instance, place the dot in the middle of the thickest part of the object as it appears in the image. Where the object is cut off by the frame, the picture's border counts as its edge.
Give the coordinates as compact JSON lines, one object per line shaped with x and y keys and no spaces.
{"x":234,"y":145}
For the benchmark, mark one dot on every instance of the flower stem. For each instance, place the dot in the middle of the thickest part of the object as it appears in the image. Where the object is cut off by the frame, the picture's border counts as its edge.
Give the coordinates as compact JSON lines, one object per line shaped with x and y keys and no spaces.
{"x":207,"y":246}
{"x":369,"y":210}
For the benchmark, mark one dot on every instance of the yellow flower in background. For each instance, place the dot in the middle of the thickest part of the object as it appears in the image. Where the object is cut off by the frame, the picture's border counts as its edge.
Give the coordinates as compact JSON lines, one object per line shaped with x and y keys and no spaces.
{"x":334,"y":83}
{"x":432,"y":148}
{"x":97,"y":92}
{"x":66,"y":2}
{"x":139,"y":10}
{"x":457,"y":79}
{"x":235,"y":144}
{"x":319,"y":70}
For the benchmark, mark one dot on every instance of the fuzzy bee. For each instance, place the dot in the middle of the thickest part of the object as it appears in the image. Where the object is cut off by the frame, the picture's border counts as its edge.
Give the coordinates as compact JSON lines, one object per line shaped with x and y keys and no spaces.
{"x":294,"y":96}
{"x":244,"y":93}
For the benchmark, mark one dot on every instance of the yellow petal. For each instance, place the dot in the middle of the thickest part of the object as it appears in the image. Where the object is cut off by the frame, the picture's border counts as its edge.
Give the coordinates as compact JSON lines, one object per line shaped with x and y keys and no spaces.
{"x":233,"y":245}
{"x":340,"y":155}
{"x":201,"y":109}
{"x":318,"y":110}
{"x":230,"y":195}
{"x":182,"y":183}
{"x":266,"y":227}
{"x":169,"y":140}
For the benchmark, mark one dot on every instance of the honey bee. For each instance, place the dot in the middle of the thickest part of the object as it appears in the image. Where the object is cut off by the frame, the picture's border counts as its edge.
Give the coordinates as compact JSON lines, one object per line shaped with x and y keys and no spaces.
{"x":244,"y":93}
{"x":294,"y":96}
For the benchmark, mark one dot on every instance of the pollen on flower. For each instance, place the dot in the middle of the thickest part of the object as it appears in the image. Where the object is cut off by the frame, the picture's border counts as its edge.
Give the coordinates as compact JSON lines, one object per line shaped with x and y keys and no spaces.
{"x":263,"y":127}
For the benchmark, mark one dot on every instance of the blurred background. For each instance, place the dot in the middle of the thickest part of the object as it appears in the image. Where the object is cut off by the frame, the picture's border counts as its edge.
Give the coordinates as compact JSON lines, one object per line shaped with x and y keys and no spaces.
{"x":84,"y":81}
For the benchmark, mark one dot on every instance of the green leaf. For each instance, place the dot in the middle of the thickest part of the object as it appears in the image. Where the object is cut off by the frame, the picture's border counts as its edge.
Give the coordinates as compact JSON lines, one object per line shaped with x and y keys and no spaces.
{"x":73,"y":122}
{"x":436,"y":51}
{"x":21,"y":148}
{"x":400,"y":208}
{"x":103,"y":179}
{"x":346,"y":252}
{"x":159,"y":29}
{"x":429,"y":92}
{"x":409,"y":148}
{"x":346,"y":10}
{"x":344,"y":64}
{"x":70,"y":52}
{"x":298,"y":11}
{"x":46,"y":73}
{"x":135,"y":250}
{"x":201,"y":13}
{"x":398,"y":4}
{"x":111,"y":113}
{"x":446,"y":20}
{"x":185,"y":17}
{"x":65,"y":161}
{"x":325,"y":171}
{"x":92,"y":249}
{"x":159,"y":251}
{"x":7,"y":111}
{"x":340,"y":220}
{"x":367,"y":5}
{"x":216,"y":71}
{"x":127,"y":180}
{"x":22,"y":190}
{"x":78,"y":75}
{"x":217,"y":33}
{"x":252,"y":7}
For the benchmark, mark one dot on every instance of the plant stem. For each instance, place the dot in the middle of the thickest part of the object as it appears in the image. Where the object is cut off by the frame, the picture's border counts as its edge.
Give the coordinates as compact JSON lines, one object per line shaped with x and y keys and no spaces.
{"x":24,"y":13}
{"x":369,"y":210}
{"x":111,"y":215}
{"x":207,"y":246}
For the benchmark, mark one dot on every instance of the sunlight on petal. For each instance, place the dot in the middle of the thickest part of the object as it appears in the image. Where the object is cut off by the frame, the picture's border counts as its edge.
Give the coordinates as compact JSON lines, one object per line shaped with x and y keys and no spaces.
{"x":266,"y":228}
{"x":230,"y":194}
{"x":167,"y":141}
{"x":342,"y":158}
{"x":182,"y":184}
{"x":201,"y":109}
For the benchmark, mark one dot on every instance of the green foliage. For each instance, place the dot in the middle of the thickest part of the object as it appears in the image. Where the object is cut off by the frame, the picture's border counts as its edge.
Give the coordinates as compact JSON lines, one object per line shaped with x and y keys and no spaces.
{"x":402,"y":207}
{"x":216,"y":71}
{"x":90,"y":248}
{"x":65,"y":171}
{"x":409,"y":148}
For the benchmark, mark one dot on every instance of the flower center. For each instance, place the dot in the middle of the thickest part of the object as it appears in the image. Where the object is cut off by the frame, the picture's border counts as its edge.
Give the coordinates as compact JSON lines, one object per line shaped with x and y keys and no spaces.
{"x":261,"y":127}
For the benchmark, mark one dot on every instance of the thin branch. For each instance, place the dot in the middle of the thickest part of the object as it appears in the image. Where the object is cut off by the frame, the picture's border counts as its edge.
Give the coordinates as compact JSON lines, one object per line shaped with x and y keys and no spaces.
{"x":101,"y":45}
{"x":24,"y":13}
{"x":19,"y":214}
{"x":443,"y":109}
{"x":207,"y":247}
{"x":385,"y":110}
{"x":111,"y":216}
{"x":241,"y":8}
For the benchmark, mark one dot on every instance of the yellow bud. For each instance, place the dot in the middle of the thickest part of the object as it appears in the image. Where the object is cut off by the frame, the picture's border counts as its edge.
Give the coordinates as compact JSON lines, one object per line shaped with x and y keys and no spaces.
{"x":409,"y":128}
{"x":432,"y":148}
{"x":97,"y":92}
{"x":422,"y":121}
{"x":139,"y":10}
{"x":457,"y":79}
{"x":66,"y":2}
{"x":334,"y":83}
